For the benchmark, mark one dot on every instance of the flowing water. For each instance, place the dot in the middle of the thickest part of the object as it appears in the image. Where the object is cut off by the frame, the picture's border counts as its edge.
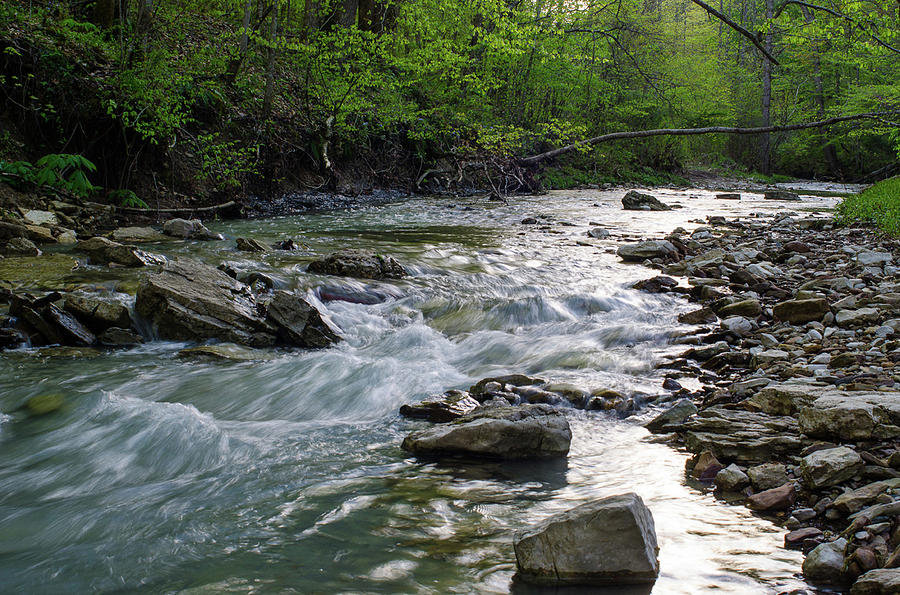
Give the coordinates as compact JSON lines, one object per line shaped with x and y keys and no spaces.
{"x":169,"y":475}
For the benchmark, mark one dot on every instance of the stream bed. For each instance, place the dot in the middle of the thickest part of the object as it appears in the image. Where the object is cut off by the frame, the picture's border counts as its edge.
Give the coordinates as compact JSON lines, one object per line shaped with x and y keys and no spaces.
{"x":162,"y":474}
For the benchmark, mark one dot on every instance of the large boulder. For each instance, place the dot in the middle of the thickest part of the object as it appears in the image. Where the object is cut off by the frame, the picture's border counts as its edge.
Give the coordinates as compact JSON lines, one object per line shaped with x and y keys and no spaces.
{"x":359,"y":264}
{"x":611,"y":541}
{"x":189,"y":229}
{"x":98,"y":314}
{"x":829,"y":467}
{"x":298,"y":322}
{"x":642,"y":251}
{"x":104,"y":251}
{"x":527,"y":431}
{"x":638,"y":201}
{"x":191,"y":301}
{"x":52,"y":324}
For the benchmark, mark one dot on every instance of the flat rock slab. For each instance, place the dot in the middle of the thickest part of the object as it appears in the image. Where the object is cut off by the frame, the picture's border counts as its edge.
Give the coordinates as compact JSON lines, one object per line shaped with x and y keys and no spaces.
{"x":522,"y":432}
{"x":742,"y":436}
{"x":611,"y":541}
{"x":881,"y":581}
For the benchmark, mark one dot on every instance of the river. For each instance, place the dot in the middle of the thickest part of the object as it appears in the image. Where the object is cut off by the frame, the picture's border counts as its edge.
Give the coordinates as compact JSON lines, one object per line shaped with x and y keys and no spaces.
{"x":168,"y":475}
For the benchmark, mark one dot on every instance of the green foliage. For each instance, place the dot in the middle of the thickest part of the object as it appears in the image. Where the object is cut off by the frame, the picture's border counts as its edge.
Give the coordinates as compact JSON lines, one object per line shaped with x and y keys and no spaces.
{"x":127,"y":198}
{"x":225,"y":163}
{"x":878,"y":204}
{"x":60,"y":171}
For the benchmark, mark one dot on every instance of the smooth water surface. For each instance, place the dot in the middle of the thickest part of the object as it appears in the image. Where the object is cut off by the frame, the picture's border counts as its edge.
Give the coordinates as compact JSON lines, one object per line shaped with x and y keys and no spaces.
{"x":168,"y":475}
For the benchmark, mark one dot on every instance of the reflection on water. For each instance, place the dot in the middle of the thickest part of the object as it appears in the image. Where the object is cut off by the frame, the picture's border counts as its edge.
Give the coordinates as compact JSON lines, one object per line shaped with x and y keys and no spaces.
{"x":285,"y":475}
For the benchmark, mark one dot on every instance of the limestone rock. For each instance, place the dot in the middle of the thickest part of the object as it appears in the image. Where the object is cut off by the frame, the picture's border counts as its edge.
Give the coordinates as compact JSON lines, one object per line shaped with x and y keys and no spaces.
{"x":858,"y":415}
{"x":825,"y":563}
{"x":672,"y":417}
{"x":527,"y":431}
{"x":103,"y":251}
{"x":854,"y":500}
{"x":742,"y":436}
{"x":767,"y":476}
{"x":611,"y":541}
{"x":781,"y":195}
{"x":881,"y":581}
{"x":731,"y":479}
{"x":250,"y":245}
{"x":639,"y":201}
{"x":21,"y":247}
{"x":642,"y":251}
{"x":298,"y":322}
{"x":749,"y":308}
{"x":779,"y":498}
{"x":801,"y":311}
{"x":359,"y":264}
{"x":191,"y":229}
{"x":97,"y":314}
{"x":136,"y":235}
{"x":444,"y":408}
{"x":829,"y":467}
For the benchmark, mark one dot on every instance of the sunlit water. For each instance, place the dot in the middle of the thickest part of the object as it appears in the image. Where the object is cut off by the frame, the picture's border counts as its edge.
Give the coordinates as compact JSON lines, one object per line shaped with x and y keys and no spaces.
{"x":166,"y":475}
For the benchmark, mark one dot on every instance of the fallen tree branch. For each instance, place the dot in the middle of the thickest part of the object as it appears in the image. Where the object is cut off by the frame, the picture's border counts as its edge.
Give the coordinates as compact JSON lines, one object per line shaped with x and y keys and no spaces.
{"x":535,"y":159}
{"x":724,"y":18}
{"x":213,"y":209}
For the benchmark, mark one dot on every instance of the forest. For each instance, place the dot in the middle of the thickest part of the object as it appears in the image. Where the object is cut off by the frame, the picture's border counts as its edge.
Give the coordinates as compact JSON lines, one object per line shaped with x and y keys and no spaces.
{"x":205,"y":99}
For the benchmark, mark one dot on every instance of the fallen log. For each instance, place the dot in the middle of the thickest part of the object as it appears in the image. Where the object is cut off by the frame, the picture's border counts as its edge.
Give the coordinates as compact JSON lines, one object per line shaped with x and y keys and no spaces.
{"x":535,"y":159}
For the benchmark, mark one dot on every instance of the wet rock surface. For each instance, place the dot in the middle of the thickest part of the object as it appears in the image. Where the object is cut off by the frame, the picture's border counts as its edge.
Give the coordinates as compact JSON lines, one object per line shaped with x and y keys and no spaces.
{"x":611,"y":541}
{"x":801,"y":383}
{"x":524,"y":432}
{"x":359,"y":264}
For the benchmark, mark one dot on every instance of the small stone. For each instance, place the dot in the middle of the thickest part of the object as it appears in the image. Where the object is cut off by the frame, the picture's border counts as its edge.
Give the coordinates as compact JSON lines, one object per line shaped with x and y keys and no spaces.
{"x":797,"y":537}
{"x":881,"y":581}
{"x":780,"y":498}
{"x":825,"y":563}
{"x":767,"y":476}
{"x":749,"y":308}
{"x":731,"y":479}
{"x":673,"y":417}
{"x":801,"y":311}
{"x":250,"y":245}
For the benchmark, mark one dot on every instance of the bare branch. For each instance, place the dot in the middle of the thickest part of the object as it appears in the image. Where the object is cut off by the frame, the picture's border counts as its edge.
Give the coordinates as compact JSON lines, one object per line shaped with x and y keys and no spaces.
{"x":737,"y":28}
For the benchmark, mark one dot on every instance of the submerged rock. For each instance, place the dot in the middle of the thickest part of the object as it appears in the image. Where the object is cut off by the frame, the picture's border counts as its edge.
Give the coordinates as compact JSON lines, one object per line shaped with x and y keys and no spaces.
{"x":250,"y":245}
{"x":356,"y":263}
{"x":528,"y":431}
{"x":226,"y":351}
{"x":639,"y":201}
{"x":611,"y":541}
{"x":44,"y":404}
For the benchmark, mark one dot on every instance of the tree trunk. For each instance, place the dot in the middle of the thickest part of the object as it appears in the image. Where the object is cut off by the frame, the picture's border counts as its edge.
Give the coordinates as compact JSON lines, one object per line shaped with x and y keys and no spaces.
{"x":269,"y":93}
{"x":765,"y":141}
{"x":105,"y":13}
{"x":830,"y":152}
{"x":235,"y":65}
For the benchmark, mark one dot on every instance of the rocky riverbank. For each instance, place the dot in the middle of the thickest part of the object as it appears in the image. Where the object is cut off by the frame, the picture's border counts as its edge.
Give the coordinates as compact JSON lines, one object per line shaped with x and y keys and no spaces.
{"x":797,"y":348}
